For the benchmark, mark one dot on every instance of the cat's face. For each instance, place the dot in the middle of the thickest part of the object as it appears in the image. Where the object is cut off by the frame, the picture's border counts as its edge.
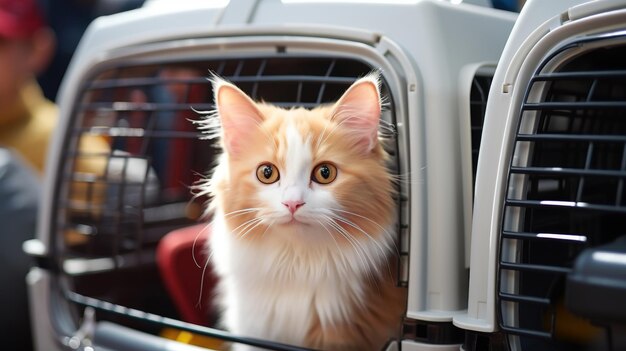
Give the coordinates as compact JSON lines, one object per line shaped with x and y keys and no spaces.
{"x":303,"y":171}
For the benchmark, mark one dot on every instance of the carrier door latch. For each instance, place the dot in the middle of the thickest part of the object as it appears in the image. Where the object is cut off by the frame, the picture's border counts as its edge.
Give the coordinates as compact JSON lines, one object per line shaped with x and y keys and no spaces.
{"x":83,"y":337}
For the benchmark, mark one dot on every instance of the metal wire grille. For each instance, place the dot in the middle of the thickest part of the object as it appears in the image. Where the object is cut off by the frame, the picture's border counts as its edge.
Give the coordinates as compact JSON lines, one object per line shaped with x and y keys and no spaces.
{"x":566,"y":189}
{"x":133,"y":153}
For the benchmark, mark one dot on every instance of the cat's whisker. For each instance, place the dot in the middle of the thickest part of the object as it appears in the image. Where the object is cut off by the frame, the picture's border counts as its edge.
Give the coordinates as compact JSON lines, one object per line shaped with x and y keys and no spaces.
{"x":365,"y":218}
{"x":245,"y":225}
{"x":358,"y":248}
{"x":402,"y":178}
{"x":268,"y":227}
{"x":357,"y":227}
{"x":329,"y":233}
{"x":346,"y":235}
{"x":242,"y":211}
{"x":389,"y":235}
{"x":360,"y":216}
{"x":193,"y":246}
{"x":248,"y":225}
{"x":344,"y":261}
{"x":206,"y":265}
{"x":371,"y":270}
{"x":258,"y":223}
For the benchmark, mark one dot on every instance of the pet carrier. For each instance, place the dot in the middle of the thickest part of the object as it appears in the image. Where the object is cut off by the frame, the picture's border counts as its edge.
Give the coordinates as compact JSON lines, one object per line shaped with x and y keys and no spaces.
{"x":112,"y":218}
{"x":547,"y":252}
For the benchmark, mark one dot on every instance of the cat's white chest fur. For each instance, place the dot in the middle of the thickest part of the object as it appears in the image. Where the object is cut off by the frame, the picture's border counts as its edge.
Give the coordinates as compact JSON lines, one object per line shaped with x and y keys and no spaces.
{"x":274,"y":292}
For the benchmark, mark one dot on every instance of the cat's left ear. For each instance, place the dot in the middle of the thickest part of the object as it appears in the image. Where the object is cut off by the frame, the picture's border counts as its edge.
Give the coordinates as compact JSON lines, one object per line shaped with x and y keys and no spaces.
{"x":358,"y":111}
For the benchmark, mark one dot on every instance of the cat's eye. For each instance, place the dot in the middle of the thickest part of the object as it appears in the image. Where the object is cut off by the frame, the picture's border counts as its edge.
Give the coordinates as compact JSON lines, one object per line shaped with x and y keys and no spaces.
{"x":267,"y":173}
{"x":324,"y":173}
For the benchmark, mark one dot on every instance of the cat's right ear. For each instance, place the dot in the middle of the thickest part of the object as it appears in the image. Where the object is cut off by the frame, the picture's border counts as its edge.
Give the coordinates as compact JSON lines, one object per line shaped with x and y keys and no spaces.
{"x":239,"y":116}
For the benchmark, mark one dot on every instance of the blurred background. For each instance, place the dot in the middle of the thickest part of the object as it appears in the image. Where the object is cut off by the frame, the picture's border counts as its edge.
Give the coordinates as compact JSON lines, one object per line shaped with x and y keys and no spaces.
{"x":69,"y":19}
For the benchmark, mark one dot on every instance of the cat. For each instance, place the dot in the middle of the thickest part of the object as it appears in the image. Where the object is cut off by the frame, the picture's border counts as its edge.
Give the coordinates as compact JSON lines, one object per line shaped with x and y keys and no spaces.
{"x":303,"y":216}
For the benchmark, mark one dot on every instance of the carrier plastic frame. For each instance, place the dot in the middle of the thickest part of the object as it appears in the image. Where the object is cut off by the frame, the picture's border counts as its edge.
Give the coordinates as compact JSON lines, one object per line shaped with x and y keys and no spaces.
{"x":428,"y":125}
{"x":542,"y":31}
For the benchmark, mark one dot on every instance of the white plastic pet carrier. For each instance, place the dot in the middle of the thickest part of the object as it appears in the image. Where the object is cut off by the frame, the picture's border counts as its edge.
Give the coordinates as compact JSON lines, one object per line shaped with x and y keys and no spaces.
{"x":548,"y":259}
{"x":133,"y":86}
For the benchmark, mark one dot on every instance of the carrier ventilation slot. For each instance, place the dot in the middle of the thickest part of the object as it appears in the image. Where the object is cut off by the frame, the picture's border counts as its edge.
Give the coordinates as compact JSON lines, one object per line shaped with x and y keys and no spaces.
{"x":478,"y":105}
{"x":566,"y":189}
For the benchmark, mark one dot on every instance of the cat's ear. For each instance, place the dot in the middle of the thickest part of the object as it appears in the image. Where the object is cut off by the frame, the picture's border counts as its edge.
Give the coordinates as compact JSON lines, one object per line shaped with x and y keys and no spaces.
{"x":239,"y":116}
{"x":358,"y":111}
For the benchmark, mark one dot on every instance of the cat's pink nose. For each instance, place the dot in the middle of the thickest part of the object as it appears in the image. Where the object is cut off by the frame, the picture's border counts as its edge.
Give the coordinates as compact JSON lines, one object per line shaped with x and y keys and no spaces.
{"x":293,"y":206}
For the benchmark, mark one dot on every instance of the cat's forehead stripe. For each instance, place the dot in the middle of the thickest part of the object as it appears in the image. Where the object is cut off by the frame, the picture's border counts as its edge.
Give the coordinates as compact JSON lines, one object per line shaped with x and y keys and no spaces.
{"x":298,"y":153}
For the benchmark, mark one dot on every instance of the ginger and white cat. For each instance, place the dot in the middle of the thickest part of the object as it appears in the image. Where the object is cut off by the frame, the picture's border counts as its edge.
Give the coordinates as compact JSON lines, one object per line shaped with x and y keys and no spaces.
{"x":303,"y":221}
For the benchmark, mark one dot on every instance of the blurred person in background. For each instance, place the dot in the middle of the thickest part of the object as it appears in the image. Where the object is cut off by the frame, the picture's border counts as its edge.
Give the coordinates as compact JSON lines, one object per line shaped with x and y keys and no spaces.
{"x":27,"y":119}
{"x":19,"y":194}
{"x":27,"y":122}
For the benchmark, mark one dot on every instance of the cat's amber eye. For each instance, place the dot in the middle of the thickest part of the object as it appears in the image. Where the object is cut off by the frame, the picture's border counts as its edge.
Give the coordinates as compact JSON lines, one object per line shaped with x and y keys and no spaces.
{"x":324,"y":173}
{"x":267,"y":173}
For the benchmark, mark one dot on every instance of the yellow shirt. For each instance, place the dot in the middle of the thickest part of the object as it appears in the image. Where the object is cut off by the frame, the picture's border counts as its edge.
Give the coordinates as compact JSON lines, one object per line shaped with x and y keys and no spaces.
{"x":27,"y":126}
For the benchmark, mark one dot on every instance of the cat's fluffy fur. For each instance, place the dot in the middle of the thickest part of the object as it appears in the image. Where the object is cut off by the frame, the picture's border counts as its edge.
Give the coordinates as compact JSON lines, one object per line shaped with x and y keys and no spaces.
{"x":323,"y":276}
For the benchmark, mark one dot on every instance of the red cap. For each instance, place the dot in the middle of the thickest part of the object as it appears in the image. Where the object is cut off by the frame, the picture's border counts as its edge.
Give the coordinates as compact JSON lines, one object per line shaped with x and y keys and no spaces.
{"x":19,"y":18}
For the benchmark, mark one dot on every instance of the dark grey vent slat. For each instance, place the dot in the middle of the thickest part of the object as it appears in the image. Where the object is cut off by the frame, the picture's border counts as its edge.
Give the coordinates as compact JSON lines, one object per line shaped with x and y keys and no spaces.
{"x":534,"y":267}
{"x":524,"y":298}
{"x":78,"y":177}
{"x":579,"y":75}
{"x":137,"y":132}
{"x":138,"y":82}
{"x":558,"y":171}
{"x":526,"y":332}
{"x":153,"y":107}
{"x":565,"y":205}
{"x":572,"y":137}
{"x":119,"y":106}
{"x":544,"y":236}
{"x":575,"y":105}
